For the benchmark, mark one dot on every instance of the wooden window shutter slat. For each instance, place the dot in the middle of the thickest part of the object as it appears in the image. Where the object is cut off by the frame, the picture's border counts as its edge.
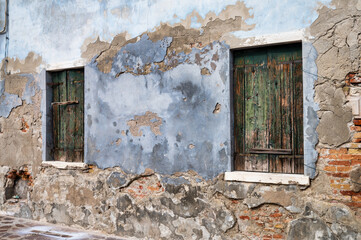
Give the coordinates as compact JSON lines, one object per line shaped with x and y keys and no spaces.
{"x":68,"y":115}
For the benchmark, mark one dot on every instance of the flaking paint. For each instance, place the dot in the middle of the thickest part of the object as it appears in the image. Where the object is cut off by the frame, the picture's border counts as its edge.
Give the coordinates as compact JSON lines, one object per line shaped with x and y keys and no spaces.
{"x":182,"y":98}
{"x":170,"y":65}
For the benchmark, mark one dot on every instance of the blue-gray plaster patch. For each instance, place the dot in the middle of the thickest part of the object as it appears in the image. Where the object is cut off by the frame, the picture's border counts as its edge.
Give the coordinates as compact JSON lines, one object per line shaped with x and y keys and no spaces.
{"x":7,"y":103}
{"x":135,"y":56}
{"x":192,"y":137}
{"x":312,"y":122}
{"x":175,"y":181}
{"x":2,"y":87}
{"x":30,"y":88}
{"x":310,"y":108}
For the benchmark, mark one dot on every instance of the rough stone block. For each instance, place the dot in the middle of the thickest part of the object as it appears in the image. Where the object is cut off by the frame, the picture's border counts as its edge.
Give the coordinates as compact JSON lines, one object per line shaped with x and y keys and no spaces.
{"x":116,"y":180}
{"x":309,"y":228}
{"x":233,"y":190}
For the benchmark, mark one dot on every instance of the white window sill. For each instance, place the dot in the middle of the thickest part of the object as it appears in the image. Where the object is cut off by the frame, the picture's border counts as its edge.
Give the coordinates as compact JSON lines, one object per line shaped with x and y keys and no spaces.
{"x":64,"y":165}
{"x":261,"y":177}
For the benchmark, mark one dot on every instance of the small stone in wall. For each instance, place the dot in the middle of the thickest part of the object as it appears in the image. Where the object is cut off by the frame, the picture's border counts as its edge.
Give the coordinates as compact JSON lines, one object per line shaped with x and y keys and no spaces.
{"x":116,"y":180}
{"x":309,"y":228}
{"x":191,"y":146}
{"x":225,"y":219}
{"x":233,"y":190}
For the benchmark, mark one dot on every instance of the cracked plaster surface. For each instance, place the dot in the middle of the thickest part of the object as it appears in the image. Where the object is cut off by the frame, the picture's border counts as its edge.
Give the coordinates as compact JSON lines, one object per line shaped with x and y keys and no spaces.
{"x":337,"y":43}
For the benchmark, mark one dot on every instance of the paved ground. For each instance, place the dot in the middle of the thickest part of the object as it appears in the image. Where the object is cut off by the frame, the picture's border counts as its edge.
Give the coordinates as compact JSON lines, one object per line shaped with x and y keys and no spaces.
{"x":17,"y":228}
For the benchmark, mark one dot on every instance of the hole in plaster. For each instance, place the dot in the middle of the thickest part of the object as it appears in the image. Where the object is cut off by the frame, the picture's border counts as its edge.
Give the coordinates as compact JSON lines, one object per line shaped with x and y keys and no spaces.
{"x":17,"y":185}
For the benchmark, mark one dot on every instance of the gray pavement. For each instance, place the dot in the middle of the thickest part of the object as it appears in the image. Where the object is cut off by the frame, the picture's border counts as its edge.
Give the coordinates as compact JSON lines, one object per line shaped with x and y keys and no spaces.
{"x":18,"y":228}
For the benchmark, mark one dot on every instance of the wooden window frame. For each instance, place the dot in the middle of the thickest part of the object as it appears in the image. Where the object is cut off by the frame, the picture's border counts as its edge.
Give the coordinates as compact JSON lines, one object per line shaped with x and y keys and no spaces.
{"x":47,"y":118}
{"x":260,"y":175}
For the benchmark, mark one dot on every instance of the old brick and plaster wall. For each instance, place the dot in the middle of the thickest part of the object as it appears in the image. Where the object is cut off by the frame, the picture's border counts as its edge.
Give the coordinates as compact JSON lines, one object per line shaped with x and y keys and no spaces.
{"x":158,"y":117}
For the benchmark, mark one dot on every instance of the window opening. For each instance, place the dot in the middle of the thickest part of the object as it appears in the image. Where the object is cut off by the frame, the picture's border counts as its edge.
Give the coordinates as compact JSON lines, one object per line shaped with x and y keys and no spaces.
{"x":268,"y":109}
{"x":67,"y":106}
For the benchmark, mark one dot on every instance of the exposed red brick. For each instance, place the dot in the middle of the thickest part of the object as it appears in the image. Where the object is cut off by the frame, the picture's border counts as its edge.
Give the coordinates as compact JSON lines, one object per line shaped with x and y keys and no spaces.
{"x":350,"y":193}
{"x":355,"y":162}
{"x":339,"y":175}
{"x":330,"y":168}
{"x":357,"y":122}
{"x":278,"y":236}
{"x":338,"y":151}
{"x":267,"y":237}
{"x":354,"y":151}
{"x":345,"y":157}
{"x":355,"y":80}
{"x":154,"y":188}
{"x":356,"y":140}
{"x":357,"y":135}
{"x":344,"y":169}
{"x":343,"y":163}
{"x":356,"y":128}
{"x":356,"y":157}
{"x":354,"y":204}
{"x":244,"y":217}
{"x":341,"y":186}
{"x":356,"y":198}
{"x":276,"y":215}
{"x":350,"y":75}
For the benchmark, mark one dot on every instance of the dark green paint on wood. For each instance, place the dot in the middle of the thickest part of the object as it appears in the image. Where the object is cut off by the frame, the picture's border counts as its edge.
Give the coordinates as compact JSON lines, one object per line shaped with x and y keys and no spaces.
{"x":268,"y":109}
{"x":68,"y":119}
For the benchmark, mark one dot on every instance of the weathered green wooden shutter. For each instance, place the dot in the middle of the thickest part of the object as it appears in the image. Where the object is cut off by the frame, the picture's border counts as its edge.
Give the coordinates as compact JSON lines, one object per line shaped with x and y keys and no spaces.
{"x":68,"y":115}
{"x":268,"y":115}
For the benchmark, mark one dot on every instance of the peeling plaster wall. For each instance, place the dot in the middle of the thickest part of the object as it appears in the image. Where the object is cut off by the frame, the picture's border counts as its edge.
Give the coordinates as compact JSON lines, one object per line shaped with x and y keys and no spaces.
{"x":158,"y":117}
{"x":310,"y":108}
{"x":180,"y":29}
{"x":105,"y":19}
{"x":188,"y":135}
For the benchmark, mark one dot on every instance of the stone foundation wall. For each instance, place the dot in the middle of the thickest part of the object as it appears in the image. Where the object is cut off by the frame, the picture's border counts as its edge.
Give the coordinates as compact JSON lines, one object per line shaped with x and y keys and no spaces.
{"x":184,"y":205}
